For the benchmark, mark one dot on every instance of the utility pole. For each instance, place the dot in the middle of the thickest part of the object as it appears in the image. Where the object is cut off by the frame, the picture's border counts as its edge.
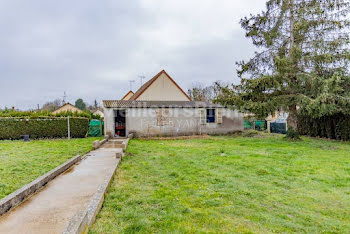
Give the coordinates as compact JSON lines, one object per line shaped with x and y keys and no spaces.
{"x":141,"y":78}
{"x":68,"y":128}
{"x":131,"y":81}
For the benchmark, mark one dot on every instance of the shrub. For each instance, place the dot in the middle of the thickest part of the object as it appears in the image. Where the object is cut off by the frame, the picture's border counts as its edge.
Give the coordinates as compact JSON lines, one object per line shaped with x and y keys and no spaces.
{"x":250,"y":133}
{"x":332,"y":127}
{"x":292,"y":134}
{"x":14,"y":128}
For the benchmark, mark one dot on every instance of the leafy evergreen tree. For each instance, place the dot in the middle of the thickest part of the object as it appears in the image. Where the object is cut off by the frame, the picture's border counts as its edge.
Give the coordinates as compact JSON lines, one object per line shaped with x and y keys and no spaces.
{"x":95,"y":104}
{"x":80,"y":104}
{"x":302,"y":60}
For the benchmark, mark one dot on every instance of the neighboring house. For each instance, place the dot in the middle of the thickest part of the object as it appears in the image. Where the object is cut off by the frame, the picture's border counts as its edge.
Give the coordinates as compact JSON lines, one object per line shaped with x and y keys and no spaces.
{"x":99,"y":112}
{"x":67,"y":108}
{"x":161,"y":108}
{"x":279,"y":116}
{"x":128,"y":95}
{"x":278,"y":121}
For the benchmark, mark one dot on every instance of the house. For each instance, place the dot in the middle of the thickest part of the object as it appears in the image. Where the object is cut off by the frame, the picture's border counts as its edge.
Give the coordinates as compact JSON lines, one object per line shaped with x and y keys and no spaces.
{"x":99,"y":112}
{"x":67,"y":108}
{"x":160,"y":88}
{"x":128,"y":95}
{"x":161,"y":108}
{"x":279,"y":116}
{"x":277,"y":123}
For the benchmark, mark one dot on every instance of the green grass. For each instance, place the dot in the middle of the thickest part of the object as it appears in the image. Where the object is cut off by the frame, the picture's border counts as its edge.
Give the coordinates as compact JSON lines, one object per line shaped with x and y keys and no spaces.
{"x":22,"y":162}
{"x":230,"y":184}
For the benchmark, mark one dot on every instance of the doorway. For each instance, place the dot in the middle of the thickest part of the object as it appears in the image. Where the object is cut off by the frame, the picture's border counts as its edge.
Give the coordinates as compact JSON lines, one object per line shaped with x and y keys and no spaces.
{"x":120,"y":126}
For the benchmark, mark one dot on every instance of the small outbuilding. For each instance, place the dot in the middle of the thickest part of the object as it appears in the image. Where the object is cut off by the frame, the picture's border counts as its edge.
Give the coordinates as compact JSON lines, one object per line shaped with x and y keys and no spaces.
{"x":161,"y":108}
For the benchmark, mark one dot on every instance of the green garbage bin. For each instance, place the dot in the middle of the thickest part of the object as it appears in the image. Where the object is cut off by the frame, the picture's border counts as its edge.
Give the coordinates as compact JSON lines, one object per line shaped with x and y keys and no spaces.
{"x":260,"y":125}
{"x":96,"y":128}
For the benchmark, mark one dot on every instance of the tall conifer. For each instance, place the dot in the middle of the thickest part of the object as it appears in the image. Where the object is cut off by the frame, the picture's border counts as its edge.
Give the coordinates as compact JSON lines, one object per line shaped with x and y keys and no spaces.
{"x":301,"y":63}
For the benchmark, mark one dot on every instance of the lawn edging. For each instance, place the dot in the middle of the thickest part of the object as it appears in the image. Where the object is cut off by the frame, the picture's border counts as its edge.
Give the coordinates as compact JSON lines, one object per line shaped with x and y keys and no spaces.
{"x":14,"y":199}
{"x":82,"y":220}
{"x":97,"y":144}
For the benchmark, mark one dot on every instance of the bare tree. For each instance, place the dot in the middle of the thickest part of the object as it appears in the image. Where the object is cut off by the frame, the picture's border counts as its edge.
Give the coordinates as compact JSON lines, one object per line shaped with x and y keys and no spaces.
{"x":199,"y":92}
{"x":51,"y":106}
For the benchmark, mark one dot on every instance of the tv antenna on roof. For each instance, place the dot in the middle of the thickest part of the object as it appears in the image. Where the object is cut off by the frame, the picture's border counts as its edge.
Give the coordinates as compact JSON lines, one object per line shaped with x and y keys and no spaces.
{"x":141,"y":78}
{"x":131,"y":81}
{"x":64,"y":98}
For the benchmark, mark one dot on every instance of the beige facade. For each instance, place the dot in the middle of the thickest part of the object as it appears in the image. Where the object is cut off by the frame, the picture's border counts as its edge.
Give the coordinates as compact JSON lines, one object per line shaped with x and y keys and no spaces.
{"x":163,"y":88}
{"x":67,"y":108}
{"x":160,"y":88}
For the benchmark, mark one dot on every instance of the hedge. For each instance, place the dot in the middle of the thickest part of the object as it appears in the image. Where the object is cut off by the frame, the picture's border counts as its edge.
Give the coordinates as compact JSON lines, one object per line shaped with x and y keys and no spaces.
{"x":46,"y":114}
{"x":14,"y":128}
{"x":332,"y":127}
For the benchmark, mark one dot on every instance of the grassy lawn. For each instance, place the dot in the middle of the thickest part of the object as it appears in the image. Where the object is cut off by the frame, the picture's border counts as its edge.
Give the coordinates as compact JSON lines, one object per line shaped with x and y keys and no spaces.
{"x":230,"y":184}
{"x":22,"y":162}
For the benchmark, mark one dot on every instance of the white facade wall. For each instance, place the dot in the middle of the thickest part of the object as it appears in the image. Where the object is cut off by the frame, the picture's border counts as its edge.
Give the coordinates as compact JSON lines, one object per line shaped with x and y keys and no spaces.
{"x":144,"y":122}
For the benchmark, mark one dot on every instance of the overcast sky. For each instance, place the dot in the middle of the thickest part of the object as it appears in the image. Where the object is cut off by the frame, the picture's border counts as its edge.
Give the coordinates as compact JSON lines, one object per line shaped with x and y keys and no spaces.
{"x":91,"y":49}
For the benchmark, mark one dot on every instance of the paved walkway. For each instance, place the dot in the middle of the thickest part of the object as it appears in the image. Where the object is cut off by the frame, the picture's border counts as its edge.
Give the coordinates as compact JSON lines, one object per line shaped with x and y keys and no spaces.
{"x":50,"y":209}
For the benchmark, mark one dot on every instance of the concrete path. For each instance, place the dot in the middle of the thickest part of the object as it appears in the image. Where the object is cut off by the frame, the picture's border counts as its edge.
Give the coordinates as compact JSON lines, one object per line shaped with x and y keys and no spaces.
{"x":50,"y":210}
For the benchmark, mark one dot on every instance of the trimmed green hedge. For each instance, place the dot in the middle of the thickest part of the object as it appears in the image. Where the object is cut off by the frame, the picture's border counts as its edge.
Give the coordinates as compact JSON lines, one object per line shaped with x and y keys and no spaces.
{"x":332,"y":127}
{"x":14,"y":128}
{"x":46,"y":114}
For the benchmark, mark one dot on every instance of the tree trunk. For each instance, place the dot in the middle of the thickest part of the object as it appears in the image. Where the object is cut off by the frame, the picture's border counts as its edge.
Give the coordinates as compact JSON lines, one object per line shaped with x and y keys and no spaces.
{"x":292,"y":117}
{"x":292,"y":120}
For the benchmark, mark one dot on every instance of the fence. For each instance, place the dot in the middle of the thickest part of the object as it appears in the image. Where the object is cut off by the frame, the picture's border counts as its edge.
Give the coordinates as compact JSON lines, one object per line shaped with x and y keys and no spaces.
{"x":278,"y":128}
{"x":259,"y":125}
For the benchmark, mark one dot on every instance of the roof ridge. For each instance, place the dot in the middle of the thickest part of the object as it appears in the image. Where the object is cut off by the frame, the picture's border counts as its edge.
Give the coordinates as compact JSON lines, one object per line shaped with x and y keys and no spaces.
{"x":157,"y":104}
{"x":145,"y":86}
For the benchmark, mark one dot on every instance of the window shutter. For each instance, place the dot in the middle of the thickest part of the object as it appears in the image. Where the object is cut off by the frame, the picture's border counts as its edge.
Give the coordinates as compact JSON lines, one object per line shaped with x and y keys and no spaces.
{"x":202,"y":116}
{"x":219,"y":115}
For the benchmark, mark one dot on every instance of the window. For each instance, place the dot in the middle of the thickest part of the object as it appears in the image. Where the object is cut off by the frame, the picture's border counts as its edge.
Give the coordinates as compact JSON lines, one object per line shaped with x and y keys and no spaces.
{"x":210,"y":115}
{"x":162,"y":117}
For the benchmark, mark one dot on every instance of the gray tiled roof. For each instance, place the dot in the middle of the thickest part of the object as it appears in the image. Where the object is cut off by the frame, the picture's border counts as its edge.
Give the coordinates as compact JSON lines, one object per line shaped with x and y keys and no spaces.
{"x":157,"y":104}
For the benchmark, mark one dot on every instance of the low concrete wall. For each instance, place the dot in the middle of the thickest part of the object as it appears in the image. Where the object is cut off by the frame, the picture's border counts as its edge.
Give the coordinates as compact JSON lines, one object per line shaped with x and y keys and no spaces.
{"x":81,"y":221}
{"x":15,"y":198}
{"x":78,"y":224}
{"x":97,"y":144}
